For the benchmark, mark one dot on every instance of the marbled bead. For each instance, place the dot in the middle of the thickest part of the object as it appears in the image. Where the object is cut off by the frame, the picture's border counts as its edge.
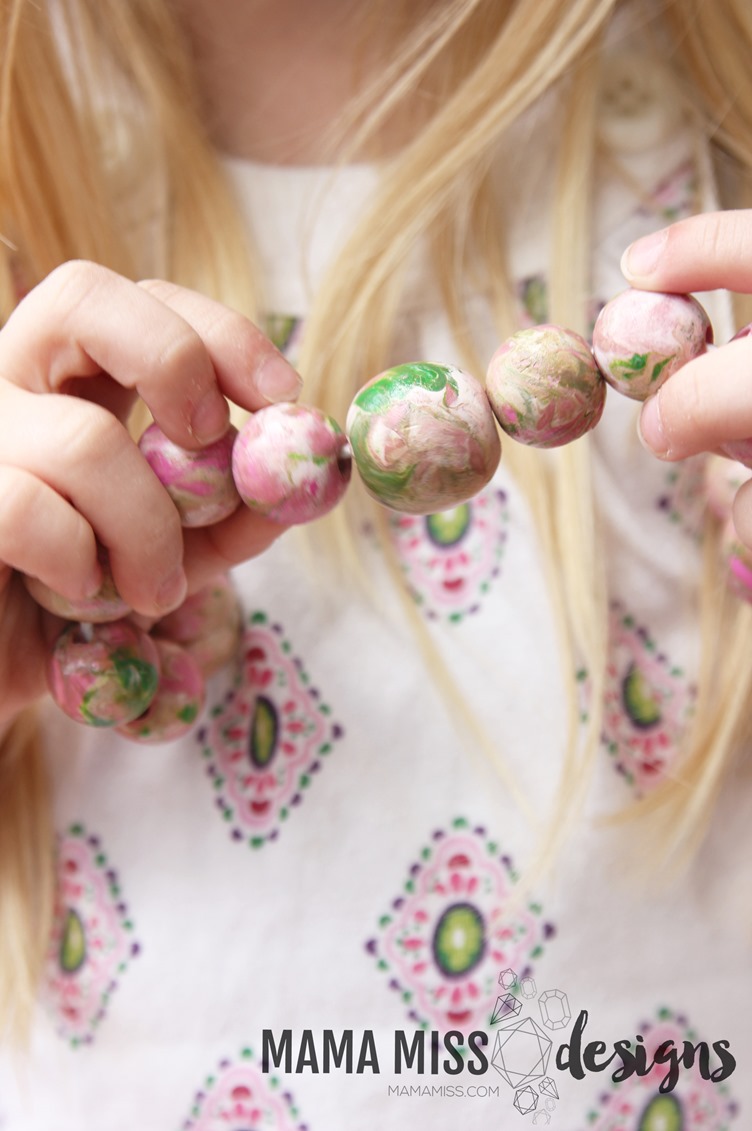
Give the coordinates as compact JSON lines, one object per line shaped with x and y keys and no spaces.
{"x":723,"y":478}
{"x":200,"y":483}
{"x":641,"y":337}
{"x":106,"y":605}
{"x":291,"y":463}
{"x":544,"y":386}
{"x":423,"y":437}
{"x":207,"y":625}
{"x":103,"y":674}
{"x":178,"y":702}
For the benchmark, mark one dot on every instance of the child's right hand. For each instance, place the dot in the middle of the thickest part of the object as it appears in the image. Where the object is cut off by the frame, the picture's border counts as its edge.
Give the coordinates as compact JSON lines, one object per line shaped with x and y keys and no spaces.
{"x":74,"y":356}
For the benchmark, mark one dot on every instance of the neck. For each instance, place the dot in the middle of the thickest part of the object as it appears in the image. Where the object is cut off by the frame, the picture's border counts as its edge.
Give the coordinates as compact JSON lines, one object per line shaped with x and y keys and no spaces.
{"x":274,"y":75}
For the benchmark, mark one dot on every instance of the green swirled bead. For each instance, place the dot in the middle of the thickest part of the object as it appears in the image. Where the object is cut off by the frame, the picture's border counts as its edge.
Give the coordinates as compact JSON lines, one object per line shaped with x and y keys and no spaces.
{"x":423,"y":437}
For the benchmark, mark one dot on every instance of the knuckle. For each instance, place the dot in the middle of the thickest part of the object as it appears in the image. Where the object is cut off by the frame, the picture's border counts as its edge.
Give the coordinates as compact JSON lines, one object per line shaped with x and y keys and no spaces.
{"x":20,"y":496}
{"x":724,"y":236}
{"x":74,"y":280}
{"x":89,"y":434}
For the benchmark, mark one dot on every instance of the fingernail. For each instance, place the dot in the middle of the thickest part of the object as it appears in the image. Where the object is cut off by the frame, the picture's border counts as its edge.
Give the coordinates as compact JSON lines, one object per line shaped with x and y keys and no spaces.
{"x":210,"y":418}
{"x":650,"y":428}
{"x":277,"y":381}
{"x":641,"y":258}
{"x":172,"y":591}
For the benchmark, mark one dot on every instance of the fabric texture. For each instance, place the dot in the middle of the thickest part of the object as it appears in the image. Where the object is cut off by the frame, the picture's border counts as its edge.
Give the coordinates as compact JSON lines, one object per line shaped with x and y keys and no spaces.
{"x":327,"y":850}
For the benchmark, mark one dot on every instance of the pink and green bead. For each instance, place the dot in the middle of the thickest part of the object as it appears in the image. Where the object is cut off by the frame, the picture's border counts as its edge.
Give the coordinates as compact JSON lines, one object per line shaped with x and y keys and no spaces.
{"x":641,"y":338}
{"x":207,"y":625}
{"x":544,"y":386}
{"x":103,"y":675}
{"x":200,"y":483}
{"x":291,"y":463}
{"x":178,"y":702}
{"x":423,"y":437}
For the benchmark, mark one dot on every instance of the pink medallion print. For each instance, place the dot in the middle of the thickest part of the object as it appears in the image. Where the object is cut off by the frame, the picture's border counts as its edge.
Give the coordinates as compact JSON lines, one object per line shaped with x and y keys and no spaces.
{"x":92,"y":938}
{"x":446,"y":936}
{"x":694,"y":1104}
{"x":648,"y":702}
{"x":450,"y":560}
{"x":265,"y":744}
{"x":240,"y":1097}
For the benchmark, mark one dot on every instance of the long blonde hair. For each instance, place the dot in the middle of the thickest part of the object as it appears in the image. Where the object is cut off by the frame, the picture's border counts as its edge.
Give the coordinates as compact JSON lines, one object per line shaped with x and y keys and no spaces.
{"x":95,"y":94}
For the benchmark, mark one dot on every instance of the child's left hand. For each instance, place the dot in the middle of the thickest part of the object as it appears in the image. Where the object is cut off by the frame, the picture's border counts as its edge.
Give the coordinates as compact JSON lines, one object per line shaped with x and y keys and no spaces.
{"x":708,"y":402}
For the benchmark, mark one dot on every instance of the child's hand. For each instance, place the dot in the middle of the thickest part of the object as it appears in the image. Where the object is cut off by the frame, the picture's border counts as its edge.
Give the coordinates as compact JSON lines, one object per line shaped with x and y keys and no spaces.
{"x":71,"y":475}
{"x":708,"y":402}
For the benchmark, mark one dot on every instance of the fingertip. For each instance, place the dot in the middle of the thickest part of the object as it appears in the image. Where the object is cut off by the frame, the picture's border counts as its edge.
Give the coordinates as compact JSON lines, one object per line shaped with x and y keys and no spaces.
{"x":277,"y":381}
{"x":210,"y":418}
{"x":650,"y":429}
{"x":641,"y":259}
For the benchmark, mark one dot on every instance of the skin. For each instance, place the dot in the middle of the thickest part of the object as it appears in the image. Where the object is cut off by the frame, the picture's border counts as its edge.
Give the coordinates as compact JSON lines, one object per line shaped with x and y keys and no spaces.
{"x":73,"y":334}
{"x":708,"y":401}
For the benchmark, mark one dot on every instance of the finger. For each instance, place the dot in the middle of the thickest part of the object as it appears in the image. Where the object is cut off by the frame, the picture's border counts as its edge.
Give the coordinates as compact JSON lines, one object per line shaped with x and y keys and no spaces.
{"x":250,"y":370}
{"x":43,"y":536}
{"x":742,"y":513}
{"x":701,"y":253}
{"x":84,"y":454}
{"x":704,"y":404}
{"x":211,"y":550}
{"x":84,"y":320}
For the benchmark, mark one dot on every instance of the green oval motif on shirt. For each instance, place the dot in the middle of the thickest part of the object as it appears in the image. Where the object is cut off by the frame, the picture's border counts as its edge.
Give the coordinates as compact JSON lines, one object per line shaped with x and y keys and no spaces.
{"x":397,"y":384}
{"x":663,"y":1113}
{"x":73,"y":943}
{"x":640,"y":701}
{"x":264,"y":732}
{"x":459,"y":939}
{"x":447,"y":528}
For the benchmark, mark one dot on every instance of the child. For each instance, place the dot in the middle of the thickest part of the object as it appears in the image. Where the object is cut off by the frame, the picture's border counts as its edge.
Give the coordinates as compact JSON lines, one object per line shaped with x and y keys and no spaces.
{"x":305,"y":912}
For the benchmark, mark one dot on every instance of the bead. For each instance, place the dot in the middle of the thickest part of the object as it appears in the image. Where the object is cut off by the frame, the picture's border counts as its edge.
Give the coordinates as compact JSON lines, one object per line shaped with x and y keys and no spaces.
{"x":640,"y":338}
{"x":738,"y":559}
{"x":178,"y":702}
{"x":723,"y":478}
{"x":103,"y":674}
{"x":207,"y":625}
{"x":423,"y":437}
{"x":291,"y":463}
{"x":106,"y":605}
{"x":199,"y":483}
{"x":544,"y":386}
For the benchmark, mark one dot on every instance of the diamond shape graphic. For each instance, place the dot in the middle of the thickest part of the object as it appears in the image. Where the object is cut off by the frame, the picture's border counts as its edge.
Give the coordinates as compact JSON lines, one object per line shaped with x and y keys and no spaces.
{"x":507,"y":1005}
{"x":507,"y":979}
{"x":548,"y":1088}
{"x":521,"y":1052}
{"x":526,"y":1100}
{"x":554,"y":1007}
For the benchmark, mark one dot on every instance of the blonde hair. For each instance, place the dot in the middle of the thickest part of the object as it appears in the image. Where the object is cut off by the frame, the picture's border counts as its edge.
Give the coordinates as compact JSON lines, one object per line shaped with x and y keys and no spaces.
{"x":64,"y":189}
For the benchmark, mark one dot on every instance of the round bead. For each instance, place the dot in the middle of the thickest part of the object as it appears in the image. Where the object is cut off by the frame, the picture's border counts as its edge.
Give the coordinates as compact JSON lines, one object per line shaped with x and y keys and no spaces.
{"x":178,"y":702}
{"x":103,"y":674}
{"x":106,"y":605}
{"x":738,"y":559}
{"x":544,"y":386}
{"x":641,"y":337}
{"x":423,"y":437}
{"x":291,"y":463}
{"x":199,"y":483}
{"x":723,"y":478}
{"x":207,"y":625}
